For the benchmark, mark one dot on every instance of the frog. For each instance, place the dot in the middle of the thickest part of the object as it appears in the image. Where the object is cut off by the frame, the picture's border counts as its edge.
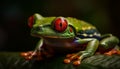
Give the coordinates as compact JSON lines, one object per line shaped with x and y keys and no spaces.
{"x":75,"y":38}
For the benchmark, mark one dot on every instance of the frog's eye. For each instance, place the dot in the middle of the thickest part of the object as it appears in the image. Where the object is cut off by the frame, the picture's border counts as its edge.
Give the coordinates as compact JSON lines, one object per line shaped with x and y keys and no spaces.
{"x":60,"y":24}
{"x":30,"y":21}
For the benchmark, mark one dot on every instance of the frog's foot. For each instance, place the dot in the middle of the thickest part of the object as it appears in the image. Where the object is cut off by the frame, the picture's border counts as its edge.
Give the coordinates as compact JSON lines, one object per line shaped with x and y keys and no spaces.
{"x":113,"y":51}
{"x":31,"y":55}
{"x":72,"y":57}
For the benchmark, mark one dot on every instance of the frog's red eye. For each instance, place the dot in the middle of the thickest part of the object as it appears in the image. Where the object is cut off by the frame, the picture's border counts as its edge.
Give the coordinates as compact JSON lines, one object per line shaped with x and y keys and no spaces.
{"x":60,"y":24}
{"x":30,"y":21}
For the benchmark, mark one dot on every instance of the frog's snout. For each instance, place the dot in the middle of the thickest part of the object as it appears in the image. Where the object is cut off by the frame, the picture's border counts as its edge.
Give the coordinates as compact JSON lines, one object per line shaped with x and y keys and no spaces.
{"x":39,"y":28}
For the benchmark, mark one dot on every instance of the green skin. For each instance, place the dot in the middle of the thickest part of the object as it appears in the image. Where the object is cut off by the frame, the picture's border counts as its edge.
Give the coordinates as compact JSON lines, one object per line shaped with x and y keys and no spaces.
{"x":62,"y":41}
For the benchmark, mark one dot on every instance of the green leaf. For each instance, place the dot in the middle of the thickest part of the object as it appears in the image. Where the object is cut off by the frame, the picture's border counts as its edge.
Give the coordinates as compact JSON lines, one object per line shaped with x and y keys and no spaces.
{"x":13,"y":60}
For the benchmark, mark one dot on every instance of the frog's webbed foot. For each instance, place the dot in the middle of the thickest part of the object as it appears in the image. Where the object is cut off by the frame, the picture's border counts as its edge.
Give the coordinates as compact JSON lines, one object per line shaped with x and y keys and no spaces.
{"x":76,"y":58}
{"x":110,"y":42}
{"x":72,"y":57}
{"x":36,"y":55}
{"x":111,"y":52}
{"x":32,"y":55}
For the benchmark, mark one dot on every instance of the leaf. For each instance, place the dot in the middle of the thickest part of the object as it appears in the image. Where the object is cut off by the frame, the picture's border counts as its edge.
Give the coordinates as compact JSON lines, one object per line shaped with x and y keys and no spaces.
{"x":13,"y":60}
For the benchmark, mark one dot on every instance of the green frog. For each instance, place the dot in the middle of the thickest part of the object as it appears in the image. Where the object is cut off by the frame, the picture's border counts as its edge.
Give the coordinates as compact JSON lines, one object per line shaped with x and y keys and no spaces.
{"x":66,"y":35}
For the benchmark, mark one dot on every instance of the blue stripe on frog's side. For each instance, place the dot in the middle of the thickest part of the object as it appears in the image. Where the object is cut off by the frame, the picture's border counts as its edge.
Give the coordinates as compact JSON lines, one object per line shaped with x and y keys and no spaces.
{"x":89,"y":33}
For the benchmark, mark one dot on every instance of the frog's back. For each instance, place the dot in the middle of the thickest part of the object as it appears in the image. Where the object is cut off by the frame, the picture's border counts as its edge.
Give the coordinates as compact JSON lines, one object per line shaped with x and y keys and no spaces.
{"x":84,"y":29}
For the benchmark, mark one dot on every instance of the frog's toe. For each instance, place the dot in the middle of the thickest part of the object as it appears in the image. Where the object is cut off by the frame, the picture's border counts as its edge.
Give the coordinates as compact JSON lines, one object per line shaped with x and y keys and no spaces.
{"x":118,"y":52}
{"x":70,"y":55}
{"x":31,"y":55}
{"x":28,"y":58}
{"x":27,"y":55}
{"x":67,"y":61}
{"x":75,"y":58}
{"x":23,"y":54}
{"x":113,"y":51}
{"x":77,"y":62}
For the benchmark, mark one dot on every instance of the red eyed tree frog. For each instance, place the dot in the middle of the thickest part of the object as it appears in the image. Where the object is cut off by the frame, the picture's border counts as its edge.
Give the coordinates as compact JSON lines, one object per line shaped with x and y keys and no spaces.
{"x":75,"y":38}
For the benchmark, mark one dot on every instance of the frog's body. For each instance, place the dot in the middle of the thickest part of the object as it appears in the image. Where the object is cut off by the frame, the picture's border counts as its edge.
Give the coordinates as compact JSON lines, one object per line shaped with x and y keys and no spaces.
{"x":66,"y":35}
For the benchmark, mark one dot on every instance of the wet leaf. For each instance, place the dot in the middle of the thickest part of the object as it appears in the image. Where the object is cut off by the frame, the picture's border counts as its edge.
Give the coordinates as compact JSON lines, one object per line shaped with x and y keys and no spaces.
{"x":13,"y":60}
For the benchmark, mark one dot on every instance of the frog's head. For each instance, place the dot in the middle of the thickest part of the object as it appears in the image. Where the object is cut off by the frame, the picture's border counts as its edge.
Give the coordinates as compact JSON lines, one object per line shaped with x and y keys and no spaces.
{"x":51,"y":27}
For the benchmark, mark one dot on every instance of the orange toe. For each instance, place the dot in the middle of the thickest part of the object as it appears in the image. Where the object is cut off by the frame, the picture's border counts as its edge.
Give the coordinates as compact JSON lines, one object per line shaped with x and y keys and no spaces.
{"x":24,"y":54}
{"x":76,"y":63}
{"x":67,"y":61}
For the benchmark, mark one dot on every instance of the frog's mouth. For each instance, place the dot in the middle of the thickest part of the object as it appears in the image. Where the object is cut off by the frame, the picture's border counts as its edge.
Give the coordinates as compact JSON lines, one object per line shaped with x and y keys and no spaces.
{"x":45,"y":36}
{"x":48,"y":32}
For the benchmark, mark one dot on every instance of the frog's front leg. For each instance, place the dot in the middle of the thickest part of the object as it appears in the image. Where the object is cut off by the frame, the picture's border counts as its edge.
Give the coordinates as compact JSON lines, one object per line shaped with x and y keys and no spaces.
{"x":36,"y":54}
{"x":110,"y":42}
{"x":89,"y":51}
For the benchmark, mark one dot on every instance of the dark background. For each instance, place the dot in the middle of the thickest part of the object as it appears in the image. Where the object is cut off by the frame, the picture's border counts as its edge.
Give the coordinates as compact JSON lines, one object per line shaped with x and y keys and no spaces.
{"x":15,"y":34}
